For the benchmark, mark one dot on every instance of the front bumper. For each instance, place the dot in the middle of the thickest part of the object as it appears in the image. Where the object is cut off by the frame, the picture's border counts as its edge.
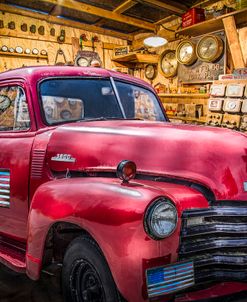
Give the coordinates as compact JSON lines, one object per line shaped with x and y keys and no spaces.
{"x":213,"y":249}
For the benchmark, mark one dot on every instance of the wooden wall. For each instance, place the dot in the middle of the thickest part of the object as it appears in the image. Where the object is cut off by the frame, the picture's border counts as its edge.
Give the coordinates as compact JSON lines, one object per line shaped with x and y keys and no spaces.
{"x":14,"y":38}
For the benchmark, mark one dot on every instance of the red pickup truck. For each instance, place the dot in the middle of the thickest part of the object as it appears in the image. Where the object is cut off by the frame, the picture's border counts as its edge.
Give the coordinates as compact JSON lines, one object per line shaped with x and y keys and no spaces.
{"x":94,"y":179}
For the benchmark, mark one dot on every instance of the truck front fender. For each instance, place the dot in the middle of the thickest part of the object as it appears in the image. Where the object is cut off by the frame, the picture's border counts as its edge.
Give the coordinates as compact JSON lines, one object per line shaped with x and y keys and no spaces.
{"x":112,"y":213}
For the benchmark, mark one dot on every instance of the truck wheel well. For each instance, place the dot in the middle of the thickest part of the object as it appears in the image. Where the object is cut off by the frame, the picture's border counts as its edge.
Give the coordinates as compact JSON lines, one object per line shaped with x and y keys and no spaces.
{"x":57,"y":240}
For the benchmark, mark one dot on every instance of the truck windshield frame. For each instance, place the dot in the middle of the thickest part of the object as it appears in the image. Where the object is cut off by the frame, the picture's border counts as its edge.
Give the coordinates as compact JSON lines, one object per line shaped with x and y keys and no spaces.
{"x":72,"y":99}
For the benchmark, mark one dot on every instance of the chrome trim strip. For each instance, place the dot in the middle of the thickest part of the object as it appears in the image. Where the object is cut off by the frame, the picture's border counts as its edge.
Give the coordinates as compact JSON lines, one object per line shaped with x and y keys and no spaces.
{"x":4,"y":191}
{"x":4,"y":179}
{"x":4,"y":196}
{"x":5,"y":204}
{"x":4,"y":173}
{"x":4,"y":185}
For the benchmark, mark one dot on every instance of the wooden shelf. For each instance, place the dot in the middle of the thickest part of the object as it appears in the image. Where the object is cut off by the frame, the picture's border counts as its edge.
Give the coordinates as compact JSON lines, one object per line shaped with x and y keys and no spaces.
{"x":212,"y":25}
{"x":137,"y":58}
{"x":187,"y":95}
{"x":188,"y":119}
{"x":23,"y":55}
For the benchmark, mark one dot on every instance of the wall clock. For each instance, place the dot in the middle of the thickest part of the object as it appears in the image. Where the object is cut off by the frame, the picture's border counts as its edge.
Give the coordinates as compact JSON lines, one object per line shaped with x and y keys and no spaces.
{"x":209,"y":48}
{"x":186,"y":52}
{"x":150,"y":71}
{"x":168,"y":63}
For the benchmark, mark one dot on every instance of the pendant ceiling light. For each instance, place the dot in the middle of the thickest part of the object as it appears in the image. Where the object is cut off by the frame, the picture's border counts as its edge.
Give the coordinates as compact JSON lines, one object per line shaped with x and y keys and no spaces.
{"x":155,"y":41}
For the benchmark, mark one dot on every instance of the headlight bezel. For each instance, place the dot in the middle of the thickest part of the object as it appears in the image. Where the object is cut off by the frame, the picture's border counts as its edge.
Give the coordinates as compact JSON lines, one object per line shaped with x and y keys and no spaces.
{"x":149,"y":214}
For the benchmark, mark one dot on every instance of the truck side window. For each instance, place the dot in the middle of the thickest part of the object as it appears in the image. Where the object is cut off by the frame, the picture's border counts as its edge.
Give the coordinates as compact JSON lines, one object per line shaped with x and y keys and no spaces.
{"x":14,"y":114}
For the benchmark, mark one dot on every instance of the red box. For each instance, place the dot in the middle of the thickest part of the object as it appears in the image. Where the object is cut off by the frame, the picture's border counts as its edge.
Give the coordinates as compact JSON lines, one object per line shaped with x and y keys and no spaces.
{"x":193,"y":16}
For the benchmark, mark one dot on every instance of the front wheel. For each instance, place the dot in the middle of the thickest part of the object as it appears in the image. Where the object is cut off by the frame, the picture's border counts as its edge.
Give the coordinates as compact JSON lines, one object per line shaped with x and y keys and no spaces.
{"x":86,"y":276}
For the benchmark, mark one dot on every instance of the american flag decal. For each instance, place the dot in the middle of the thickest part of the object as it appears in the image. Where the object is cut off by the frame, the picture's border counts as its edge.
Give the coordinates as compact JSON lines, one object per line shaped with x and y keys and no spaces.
{"x":4,"y":189}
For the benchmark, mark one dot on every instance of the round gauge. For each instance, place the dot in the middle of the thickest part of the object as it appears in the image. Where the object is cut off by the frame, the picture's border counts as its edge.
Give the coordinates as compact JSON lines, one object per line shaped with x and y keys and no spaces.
{"x":209,"y":48}
{"x":168,"y":63}
{"x":186,"y":53}
{"x":35,"y":51}
{"x":4,"y":48}
{"x":4,"y":102}
{"x":232,"y":105}
{"x":27,"y":51}
{"x":150,"y":71}
{"x":19,"y":49}
{"x":11,"y":49}
{"x":43,"y":52}
{"x":82,"y":61}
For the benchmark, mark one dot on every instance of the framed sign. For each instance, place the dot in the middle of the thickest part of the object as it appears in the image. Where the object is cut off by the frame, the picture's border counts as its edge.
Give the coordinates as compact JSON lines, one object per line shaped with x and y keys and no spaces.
{"x":119,"y":51}
{"x":201,"y":71}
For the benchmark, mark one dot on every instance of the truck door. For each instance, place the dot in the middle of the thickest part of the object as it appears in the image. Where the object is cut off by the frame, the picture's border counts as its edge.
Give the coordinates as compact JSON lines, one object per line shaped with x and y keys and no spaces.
{"x":16,"y":139}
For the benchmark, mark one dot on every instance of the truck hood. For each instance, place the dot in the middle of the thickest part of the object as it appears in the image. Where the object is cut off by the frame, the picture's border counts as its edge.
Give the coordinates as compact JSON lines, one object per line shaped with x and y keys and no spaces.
{"x":214,"y":157}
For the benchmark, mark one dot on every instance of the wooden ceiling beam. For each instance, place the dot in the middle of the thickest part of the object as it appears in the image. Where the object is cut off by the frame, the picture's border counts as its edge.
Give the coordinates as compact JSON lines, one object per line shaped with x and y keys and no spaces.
{"x":169,"y":5}
{"x":204,"y":3}
{"x":55,"y":11}
{"x":124,"y":6}
{"x":64,"y":22}
{"x":167,"y":19}
{"x":120,"y":9}
{"x":93,"y":10}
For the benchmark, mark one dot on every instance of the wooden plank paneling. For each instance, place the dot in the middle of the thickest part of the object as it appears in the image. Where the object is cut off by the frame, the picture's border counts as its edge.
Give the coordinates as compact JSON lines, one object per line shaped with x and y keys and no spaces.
{"x":13,"y":38}
{"x":64,"y":22}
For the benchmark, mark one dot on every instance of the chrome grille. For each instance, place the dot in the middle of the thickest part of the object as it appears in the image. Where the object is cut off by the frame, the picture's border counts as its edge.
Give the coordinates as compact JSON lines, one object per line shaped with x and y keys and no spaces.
{"x":4,"y":189}
{"x":216,"y":240}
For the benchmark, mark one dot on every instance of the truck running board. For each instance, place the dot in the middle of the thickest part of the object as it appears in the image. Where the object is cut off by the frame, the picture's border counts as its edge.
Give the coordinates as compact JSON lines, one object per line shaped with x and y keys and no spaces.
{"x":12,"y":256}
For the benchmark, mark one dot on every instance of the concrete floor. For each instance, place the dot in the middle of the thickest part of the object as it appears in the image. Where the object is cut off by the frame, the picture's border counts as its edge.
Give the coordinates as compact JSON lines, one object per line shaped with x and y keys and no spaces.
{"x":17,"y":287}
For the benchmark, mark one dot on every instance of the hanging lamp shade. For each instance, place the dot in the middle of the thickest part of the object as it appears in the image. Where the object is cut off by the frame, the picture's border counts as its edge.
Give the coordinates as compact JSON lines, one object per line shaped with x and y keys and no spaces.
{"x":155,"y":41}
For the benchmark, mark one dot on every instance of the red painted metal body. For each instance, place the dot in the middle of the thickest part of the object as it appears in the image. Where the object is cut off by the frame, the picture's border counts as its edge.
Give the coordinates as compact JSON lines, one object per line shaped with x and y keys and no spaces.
{"x":112,"y":212}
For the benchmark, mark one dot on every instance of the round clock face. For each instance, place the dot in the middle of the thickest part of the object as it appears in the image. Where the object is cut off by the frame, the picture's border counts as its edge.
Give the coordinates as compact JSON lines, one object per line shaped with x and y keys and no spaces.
{"x":82,"y":62}
{"x":150,"y":71}
{"x":4,"y":102}
{"x":4,"y":48}
{"x":168,"y":63}
{"x":209,"y":48}
{"x":186,"y":52}
{"x":35,"y":51}
{"x":19,"y":49}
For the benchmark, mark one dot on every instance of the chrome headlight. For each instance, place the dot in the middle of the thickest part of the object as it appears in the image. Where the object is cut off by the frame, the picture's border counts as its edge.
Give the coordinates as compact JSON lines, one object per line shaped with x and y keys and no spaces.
{"x":161,"y":218}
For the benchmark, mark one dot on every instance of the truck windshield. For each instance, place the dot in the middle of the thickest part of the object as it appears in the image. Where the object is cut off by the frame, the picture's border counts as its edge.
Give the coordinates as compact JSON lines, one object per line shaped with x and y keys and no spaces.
{"x":67,"y":100}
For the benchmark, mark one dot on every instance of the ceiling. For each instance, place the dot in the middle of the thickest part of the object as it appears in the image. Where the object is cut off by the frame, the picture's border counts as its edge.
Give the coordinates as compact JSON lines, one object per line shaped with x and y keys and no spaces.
{"x":120,"y":18}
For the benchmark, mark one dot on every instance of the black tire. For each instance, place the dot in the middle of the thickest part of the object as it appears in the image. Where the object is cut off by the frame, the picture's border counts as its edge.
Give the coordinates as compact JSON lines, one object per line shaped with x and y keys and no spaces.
{"x":86,"y":276}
